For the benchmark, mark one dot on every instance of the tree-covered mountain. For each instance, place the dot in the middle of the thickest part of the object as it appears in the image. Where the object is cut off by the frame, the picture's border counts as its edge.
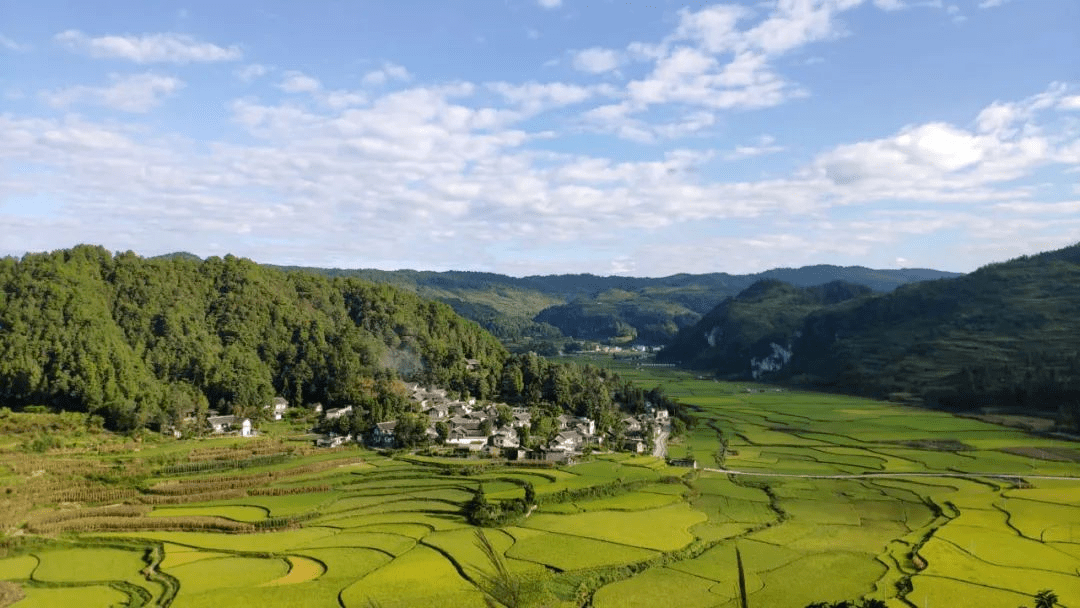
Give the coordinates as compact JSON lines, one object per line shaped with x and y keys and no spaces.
{"x":147,"y":342}
{"x":584,"y":306}
{"x":1006,"y":334}
{"x":751,"y":333}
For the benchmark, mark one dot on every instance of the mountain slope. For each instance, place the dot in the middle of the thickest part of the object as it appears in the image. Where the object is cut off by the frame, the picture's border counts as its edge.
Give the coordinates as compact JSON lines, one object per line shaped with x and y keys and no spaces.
{"x":750,"y":334}
{"x":584,"y":306}
{"x":1006,"y":334}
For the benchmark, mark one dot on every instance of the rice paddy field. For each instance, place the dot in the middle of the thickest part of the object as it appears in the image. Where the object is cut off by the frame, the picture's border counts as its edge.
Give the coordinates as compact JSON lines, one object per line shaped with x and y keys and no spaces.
{"x":823,"y":497}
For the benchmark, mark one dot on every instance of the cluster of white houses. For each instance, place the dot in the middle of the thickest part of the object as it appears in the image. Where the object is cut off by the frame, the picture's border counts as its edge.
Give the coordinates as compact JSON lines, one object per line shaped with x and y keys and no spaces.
{"x":476,"y":428}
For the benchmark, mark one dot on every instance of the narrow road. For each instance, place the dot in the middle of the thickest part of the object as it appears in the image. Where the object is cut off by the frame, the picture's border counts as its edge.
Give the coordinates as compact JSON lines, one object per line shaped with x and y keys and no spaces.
{"x":660,"y":445}
{"x":887,"y":475}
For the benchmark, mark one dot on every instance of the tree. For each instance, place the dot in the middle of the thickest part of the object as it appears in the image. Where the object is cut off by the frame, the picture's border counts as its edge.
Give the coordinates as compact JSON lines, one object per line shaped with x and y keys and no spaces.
{"x":1046,"y":599}
{"x":442,"y":431}
{"x":502,"y":587}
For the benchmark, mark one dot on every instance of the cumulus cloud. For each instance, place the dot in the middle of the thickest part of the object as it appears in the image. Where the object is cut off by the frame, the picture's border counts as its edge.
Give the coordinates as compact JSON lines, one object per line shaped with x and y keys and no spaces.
{"x":396,"y":178}
{"x":148,"y":48}
{"x":596,"y":60}
{"x":298,"y":82}
{"x":127,"y":92}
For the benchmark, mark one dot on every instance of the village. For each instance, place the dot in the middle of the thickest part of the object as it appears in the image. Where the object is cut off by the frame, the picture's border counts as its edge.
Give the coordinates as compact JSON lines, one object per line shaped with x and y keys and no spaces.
{"x":466,"y":428}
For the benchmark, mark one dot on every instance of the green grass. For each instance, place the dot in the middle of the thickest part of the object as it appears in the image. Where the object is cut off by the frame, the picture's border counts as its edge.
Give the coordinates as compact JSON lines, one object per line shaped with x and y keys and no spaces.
{"x":663,"y":529}
{"x":87,"y":564}
{"x":19,"y":567}
{"x":90,"y":596}
{"x":567,"y":552}
{"x":238,"y":513}
{"x":421,"y":577}
{"x":228,"y":573}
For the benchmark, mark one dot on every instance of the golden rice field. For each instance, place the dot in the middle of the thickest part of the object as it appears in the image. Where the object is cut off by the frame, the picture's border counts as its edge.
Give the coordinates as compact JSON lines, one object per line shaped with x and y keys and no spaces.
{"x":827,"y":498}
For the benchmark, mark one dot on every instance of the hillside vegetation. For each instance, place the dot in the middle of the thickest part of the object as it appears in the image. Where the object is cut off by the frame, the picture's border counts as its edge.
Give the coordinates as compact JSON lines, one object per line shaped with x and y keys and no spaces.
{"x":150,"y":342}
{"x":525,"y":311}
{"x":1005,"y":335}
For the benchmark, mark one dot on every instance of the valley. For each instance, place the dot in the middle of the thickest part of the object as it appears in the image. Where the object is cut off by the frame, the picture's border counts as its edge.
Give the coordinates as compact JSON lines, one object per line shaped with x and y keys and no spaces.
{"x":835,"y":498}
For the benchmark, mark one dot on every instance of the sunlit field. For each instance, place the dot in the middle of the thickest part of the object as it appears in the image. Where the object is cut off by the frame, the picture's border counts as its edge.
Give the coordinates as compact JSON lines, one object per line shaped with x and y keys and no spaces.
{"x":825,"y":498}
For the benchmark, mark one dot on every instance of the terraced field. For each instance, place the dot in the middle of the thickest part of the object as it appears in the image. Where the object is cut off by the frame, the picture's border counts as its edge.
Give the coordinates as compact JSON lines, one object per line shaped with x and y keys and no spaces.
{"x":824,"y":497}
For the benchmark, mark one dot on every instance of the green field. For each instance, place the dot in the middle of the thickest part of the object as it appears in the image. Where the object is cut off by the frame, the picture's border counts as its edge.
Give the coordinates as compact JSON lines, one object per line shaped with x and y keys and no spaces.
{"x":835,"y":498}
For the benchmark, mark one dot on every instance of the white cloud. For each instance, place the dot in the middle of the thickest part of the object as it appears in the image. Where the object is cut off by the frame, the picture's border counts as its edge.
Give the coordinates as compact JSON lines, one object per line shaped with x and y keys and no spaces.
{"x":127,"y":92}
{"x":992,"y":3}
{"x":148,"y":48}
{"x":387,"y":73}
{"x":298,"y":82}
{"x":398,"y":178}
{"x":766,"y":144}
{"x":596,"y":60}
{"x":549,"y":3}
{"x":12,"y":45}
{"x":1070,"y":103}
{"x":890,"y":5}
{"x":252,"y":72}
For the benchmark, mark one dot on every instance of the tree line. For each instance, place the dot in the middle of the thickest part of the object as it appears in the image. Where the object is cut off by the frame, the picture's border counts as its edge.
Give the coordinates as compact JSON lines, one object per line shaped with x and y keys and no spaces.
{"x":152,"y":342}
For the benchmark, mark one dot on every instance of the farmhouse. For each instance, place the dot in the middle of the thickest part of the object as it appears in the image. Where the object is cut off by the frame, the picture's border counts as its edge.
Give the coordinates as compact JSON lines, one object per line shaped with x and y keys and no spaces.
{"x":277,"y":408}
{"x":383,"y":434}
{"x":229,"y":424}
{"x":332,"y":440}
{"x":338,"y":412}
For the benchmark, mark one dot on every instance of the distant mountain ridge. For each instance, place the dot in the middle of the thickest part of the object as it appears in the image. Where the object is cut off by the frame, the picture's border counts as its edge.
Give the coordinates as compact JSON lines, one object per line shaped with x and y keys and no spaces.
{"x":585,"y":306}
{"x":1007,"y":334}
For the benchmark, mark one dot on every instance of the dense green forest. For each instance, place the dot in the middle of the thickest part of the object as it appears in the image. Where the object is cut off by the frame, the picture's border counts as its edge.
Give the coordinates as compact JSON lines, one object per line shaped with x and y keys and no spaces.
{"x":1006,"y":335}
{"x":743,"y":328}
{"x":148,"y":342}
{"x":531,"y":313}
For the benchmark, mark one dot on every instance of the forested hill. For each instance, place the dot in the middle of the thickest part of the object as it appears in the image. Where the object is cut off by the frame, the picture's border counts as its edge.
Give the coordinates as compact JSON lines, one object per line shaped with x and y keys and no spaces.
{"x":736,"y":338}
{"x":149,"y":341}
{"x":1006,"y":334}
{"x":585,"y":306}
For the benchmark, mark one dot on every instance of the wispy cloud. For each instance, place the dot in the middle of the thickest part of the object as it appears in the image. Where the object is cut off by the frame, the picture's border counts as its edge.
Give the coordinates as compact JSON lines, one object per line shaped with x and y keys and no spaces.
{"x":549,"y":4}
{"x":388,"y":72}
{"x":766,"y":144}
{"x":12,"y":45}
{"x":252,"y":72}
{"x":148,"y":48}
{"x":127,"y":92}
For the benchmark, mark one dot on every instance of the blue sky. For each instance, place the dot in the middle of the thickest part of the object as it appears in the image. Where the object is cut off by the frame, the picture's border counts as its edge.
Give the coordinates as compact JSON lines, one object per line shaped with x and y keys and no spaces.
{"x":544,"y":136}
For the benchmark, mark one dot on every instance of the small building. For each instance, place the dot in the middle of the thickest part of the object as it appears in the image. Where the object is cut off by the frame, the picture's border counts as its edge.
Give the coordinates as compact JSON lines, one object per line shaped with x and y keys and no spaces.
{"x":382,"y":435}
{"x":338,"y":412}
{"x":332,"y":440}
{"x":229,"y":424}
{"x":278,"y":407}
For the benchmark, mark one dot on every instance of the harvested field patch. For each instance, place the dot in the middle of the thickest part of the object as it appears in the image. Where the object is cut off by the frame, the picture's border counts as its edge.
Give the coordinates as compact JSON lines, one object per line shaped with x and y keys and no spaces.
{"x":1045,"y":453}
{"x":301,"y":570}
